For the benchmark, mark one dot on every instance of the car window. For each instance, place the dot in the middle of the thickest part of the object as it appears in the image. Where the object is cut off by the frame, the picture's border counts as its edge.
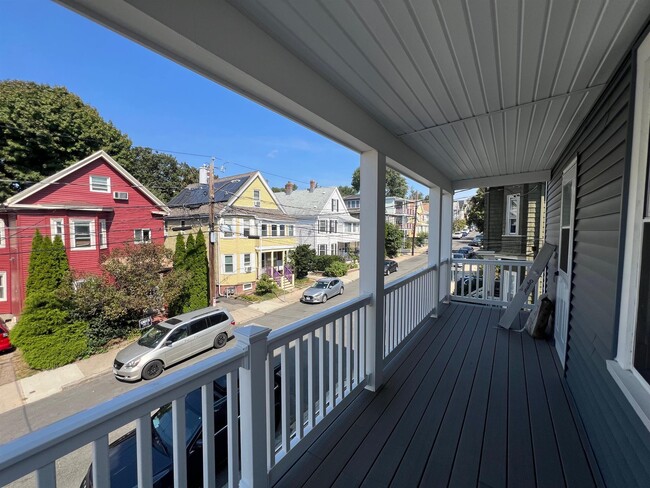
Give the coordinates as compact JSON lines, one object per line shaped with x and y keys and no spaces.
{"x":320,"y":284}
{"x":198,"y":325}
{"x":217,"y":318}
{"x":153,"y":336}
{"x":178,"y":334}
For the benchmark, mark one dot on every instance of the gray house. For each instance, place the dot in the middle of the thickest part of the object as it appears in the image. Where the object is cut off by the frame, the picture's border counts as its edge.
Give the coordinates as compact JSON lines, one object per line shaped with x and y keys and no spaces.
{"x":404,"y":385}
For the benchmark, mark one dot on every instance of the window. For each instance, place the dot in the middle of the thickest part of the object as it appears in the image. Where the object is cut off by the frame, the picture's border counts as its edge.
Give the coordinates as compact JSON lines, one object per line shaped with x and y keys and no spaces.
{"x":103,"y":237}
{"x":247,"y":225}
{"x":217,"y":318}
{"x":198,"y":325}
{"x":512,"y":215}
{"x":333,"y":226}
{"x":227,"y":228}
{"x":82,"y":234}
{"x":3,"y":239}
{"x":256,"y":198}
{"x":274,"y":230}
{"x":265,"y":230}
{"x":282,"y":229}
{"x":352,"y":203}
{"x":228,"y":263}
{"x":57,"y":229}
{"x":322,"y":249}
{"x":247,"y":286}
{"x":335,"y":205}
{"x":247,"y":263}
{"x":322,"y":226}
{"x":100,"y":184}
{"x":141,"y":236}
{"x":3,"y":286}
{"x":333,"y":249}
{"x":289,"y":230}
{"x":348,"y":227}
{"x":179,"y":333}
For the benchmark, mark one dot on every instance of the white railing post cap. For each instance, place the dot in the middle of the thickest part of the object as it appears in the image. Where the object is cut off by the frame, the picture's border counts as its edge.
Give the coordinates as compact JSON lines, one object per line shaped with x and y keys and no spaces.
{"x":251,"y":334}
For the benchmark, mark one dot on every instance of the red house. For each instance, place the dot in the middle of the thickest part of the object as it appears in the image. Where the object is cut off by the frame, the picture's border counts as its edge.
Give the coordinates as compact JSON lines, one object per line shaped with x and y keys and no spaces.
{"x":95,"y":205}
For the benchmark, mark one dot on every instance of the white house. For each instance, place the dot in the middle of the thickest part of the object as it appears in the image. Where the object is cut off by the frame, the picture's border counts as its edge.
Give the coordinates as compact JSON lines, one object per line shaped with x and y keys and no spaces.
{"x":324,"y":221}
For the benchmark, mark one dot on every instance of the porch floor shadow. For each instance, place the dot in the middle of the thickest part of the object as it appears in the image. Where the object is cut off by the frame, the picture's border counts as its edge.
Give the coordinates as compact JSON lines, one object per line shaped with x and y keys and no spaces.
{"x":470,"y":404}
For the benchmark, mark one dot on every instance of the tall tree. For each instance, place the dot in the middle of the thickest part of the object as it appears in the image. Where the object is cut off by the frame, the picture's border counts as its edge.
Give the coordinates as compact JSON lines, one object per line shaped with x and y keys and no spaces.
{"x":198,"y":264}
{"x":347,"y":191}
{"x":43,"y":129}
{"x":179,"y":252}
{"x":393,"y":239}
{"x":476,"y":210}
{"x":396,"y":185}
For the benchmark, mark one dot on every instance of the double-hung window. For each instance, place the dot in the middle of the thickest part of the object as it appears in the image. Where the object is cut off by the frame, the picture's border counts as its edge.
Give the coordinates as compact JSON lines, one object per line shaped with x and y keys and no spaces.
{"x":57,"y":229}
{"x":103,"y":236}
{"x":247,"y":225}
{"x":82,"y":234}
{"x":256,"y":198}
{"x":274,"y":230}
{"x":228,"y":263}
{"x":265,"y":230}
{"x":322,"y":226}
{"x":282,"y":230}
{"x":100,"y":184}
{"x":247,"y":263}
{"x":141,"y":236}
{"x":290,"y":230}
{"x":227,"y":228}
{"x":333,"y":226}
{"x":3,"y":239}
{"x":512,"y":215}
{"x":322,"y":249}
{"x":3,"y":286}
{"x":335,"y":205}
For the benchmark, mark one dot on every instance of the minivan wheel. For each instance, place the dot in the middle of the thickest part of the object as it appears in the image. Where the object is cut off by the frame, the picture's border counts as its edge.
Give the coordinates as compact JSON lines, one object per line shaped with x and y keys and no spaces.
{"x":220,"y":340}
{"x":152,"y":369}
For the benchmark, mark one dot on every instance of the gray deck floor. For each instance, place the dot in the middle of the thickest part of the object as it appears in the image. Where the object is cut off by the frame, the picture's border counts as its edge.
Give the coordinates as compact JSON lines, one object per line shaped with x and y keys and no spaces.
{"x":470,"y":405}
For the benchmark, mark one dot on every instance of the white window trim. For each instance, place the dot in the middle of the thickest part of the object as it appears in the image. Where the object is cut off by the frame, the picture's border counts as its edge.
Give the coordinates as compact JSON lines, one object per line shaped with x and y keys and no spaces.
{"x":234,"y":265}
{"x":510,"y":198}
{"x":3,"y":290}
{"x":93,"y":236}
{"x":634,"y":387}
{"x":3,"y":238}
{"x":103,"y":234}
{"x":233,"y":227}
{"x":53,"y":233}
{"x":108,"y":183}
{"x":251,"y":264}
{"x":257,"y":201}
{"x":135,"y":241}
{"x":247,"y":286}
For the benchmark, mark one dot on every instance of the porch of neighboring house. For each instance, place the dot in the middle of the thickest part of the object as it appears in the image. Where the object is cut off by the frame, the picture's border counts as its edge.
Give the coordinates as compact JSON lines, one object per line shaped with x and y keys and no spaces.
{"x":468,"y":404}
{"x":276,"y":265}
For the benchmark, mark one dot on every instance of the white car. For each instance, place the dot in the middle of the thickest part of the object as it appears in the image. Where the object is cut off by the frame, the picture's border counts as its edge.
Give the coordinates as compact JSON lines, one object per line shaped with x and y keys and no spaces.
{"x":457,"y":235}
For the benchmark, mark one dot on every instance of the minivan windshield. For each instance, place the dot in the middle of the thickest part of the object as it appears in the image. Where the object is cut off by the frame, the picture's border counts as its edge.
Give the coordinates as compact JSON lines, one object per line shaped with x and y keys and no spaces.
{"x":153,"y":336}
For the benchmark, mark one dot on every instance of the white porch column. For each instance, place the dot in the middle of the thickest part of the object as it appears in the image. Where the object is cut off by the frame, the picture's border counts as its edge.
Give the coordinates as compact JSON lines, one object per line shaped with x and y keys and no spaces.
{"x":371,"y":279}
{"x":435,"y":207}
{"x":446,"y":218}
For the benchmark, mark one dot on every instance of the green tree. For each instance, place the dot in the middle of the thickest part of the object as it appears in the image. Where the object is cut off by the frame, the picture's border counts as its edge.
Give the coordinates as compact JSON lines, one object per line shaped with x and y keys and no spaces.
{"x":347,"y":191}
{"x":43,"y":129}
{"x":265,"y":285}
{"x":476,"y":210}
{"x":37,"y":269}
{"x":393,"y":240}
{"x":302,"y":259}
{"x":421,"y":238}
{"x":396,"y":185}
{"x":197,"y":260}
{"x":179,"y":252}
{"x":458,"y":225}
{"x":161,"y":173}
{"x":281,"y":189}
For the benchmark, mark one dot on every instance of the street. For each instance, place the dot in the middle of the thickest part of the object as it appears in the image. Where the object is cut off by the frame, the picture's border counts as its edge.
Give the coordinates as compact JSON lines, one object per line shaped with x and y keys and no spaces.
{"x":72,"y":468}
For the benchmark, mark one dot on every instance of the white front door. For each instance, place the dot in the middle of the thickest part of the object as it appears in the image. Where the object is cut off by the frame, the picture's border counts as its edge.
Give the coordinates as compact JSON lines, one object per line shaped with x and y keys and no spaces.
{"x":565,"y":261}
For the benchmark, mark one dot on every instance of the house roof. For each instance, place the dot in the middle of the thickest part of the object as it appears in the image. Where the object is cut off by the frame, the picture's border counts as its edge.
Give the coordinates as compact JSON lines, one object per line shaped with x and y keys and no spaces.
{"x":196,"y":194}
{"x":303,"y":203}
{"x":16,"y":200}
{"x":222,"y":209}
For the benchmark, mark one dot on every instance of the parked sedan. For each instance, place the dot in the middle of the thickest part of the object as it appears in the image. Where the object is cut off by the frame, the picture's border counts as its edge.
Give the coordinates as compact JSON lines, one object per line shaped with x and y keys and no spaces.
{"x":322,"y":290}
{"x":477,"y":241}
{"x":172,"y":341}
{"x":390,"y":266}
{"x":5,"y":343}
{"x":466,"y":251}
{"x":457,"y":235}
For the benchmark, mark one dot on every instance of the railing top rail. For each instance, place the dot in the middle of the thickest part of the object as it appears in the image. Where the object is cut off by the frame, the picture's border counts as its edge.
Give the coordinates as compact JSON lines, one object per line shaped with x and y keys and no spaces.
{"x":408,"y":278}
{"x":502,"y":262}
{"x":44,"y":446}
{"x":309,"y":324}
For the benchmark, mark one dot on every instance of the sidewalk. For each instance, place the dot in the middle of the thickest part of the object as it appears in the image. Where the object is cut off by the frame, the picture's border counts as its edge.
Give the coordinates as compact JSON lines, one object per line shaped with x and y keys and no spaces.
{"x":47,"y":383}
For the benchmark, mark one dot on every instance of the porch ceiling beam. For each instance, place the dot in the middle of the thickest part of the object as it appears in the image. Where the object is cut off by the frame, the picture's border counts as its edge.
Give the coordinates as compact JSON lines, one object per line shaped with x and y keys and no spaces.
{"x":213,"y":38}
{"x":503,"y":110}
{"x":511,"y":179}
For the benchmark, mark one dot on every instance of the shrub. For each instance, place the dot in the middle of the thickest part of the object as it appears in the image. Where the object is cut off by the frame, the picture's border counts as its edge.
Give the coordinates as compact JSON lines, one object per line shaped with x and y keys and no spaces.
{"x":336,"y":269}
{"x":303,"y":258}
{"x":321,"y":263}
{"x":393,"y":240}
{"x":421,"y":239}
{"x":265,"y":285}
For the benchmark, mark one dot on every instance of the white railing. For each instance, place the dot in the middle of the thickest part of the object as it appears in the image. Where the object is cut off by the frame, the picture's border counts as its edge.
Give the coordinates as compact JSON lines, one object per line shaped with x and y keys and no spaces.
{"x":321,"y":361}
{"x":37,"y":452}
{"x":489,"y":281}
{"x":407,"y":302}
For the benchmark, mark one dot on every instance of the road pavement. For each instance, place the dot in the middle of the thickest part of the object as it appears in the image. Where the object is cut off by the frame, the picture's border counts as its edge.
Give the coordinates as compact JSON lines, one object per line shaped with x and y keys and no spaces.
{"x":103,"y":387}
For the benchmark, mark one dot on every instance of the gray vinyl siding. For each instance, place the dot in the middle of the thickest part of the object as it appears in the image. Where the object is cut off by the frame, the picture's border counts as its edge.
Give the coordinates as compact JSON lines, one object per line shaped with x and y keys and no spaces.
{"x":621,"y":443}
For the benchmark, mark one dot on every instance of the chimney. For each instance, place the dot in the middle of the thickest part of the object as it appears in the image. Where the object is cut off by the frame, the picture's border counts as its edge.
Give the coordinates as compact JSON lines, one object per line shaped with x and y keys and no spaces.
{"x":288,"y":188}
{"x":312,"y":186}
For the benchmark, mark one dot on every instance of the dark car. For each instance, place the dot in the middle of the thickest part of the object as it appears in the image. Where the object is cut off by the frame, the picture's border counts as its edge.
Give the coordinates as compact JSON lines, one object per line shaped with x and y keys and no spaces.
{"x":5,"y":343}
{"x":477,"y":241}
{"x":466,"y":251}
{"x":390,"y":266}
{"x":122,"y":452}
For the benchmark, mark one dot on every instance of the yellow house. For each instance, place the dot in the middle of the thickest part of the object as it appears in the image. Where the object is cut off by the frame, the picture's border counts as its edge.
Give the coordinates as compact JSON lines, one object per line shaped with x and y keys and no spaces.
{"x":253,"y":234}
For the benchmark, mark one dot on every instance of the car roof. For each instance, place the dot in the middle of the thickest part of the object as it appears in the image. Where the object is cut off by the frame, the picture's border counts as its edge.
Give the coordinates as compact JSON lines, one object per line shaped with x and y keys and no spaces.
{"x":186,"y":317}
{"x":326,"y":280}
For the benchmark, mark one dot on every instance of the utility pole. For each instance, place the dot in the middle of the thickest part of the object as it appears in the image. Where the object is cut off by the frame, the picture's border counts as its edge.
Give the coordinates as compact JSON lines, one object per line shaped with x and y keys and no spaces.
{"x":415,"y":224}
{"x":212,"y":236}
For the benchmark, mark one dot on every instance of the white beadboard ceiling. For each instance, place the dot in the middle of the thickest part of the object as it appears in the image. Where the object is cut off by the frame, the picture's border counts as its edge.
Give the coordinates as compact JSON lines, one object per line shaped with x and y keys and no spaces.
{"x":479,"y":88}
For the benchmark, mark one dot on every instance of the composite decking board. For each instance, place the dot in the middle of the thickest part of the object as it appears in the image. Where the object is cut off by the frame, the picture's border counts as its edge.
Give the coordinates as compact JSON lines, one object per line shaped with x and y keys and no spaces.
{"x":521,"y":471}
{"x":393,"y":418}
{"x":548,"y":467}
{"x":388,"y":459}
{"x":415,"y":458}
{"x":336,"y":454}
{"x":494,"y":452}
{"x":441,"y":457}
{"x":468,"y":458}
{"x":572,"y":454}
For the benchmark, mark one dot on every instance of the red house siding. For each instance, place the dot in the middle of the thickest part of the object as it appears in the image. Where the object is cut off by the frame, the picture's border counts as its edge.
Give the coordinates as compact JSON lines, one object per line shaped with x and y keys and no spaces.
{"x":122,"y":218}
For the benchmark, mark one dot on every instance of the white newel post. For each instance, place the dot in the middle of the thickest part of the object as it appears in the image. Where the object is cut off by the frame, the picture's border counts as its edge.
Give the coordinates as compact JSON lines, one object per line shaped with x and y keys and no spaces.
{"x":435,"y":207}
{"x":371,"y":279}
{"x":252,"y":398}
{"x":446,"y":224}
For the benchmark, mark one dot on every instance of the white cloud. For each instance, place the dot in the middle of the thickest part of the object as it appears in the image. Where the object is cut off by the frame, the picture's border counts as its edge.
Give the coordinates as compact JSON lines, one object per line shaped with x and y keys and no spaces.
{"x":273,"y":154}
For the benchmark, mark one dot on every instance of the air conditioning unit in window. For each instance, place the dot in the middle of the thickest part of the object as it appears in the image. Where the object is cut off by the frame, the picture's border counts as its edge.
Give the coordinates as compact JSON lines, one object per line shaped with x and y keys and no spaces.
{"x":121,"y":195}
{"x":248,"y":269}
{"x":257,"y":203}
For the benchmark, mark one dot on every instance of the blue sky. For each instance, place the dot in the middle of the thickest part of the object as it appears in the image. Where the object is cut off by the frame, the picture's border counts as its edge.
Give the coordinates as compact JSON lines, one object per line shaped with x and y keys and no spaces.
{"x":160,"y":104}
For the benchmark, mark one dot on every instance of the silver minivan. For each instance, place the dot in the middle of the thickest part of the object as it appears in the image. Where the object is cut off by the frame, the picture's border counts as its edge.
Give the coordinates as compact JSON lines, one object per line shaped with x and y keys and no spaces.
{"x":172,"y":341}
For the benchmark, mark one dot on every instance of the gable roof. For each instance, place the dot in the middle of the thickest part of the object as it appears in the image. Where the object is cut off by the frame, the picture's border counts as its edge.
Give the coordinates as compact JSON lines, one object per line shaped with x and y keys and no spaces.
{"x":16,"y":199}
{"x":305,"y":203}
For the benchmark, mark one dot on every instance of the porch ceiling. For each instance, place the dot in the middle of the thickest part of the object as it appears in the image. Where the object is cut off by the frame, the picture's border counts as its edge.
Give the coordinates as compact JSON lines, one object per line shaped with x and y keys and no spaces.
{"x":450,"y":91}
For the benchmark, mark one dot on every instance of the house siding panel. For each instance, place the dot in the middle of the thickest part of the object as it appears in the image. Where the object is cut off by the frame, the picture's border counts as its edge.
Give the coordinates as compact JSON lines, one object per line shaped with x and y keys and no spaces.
{"x":620,"y":441}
